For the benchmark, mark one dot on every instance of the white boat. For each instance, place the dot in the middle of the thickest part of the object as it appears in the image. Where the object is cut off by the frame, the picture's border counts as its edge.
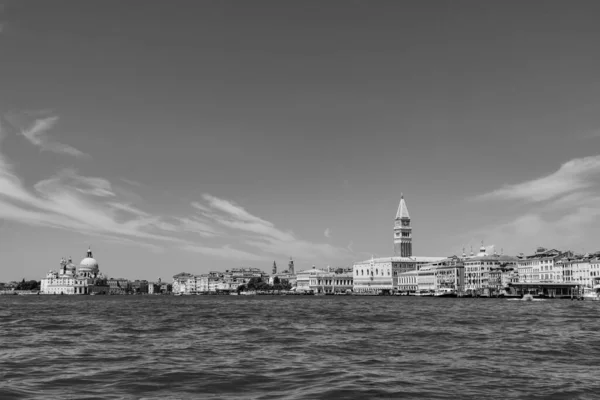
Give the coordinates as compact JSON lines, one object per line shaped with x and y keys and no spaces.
{"x":424,"y":293}
{"x":527,"y":297}
{"x":445,"y":292}
{"x":593,"y":295}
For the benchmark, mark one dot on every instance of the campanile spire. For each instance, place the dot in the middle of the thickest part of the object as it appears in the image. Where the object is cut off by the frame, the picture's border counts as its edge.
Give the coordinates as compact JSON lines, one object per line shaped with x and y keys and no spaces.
{"x":402,"y":231}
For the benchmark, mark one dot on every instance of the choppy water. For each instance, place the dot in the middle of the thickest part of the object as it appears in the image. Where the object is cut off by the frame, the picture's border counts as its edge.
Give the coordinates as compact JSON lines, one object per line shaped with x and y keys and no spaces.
{"x":303,"y":347}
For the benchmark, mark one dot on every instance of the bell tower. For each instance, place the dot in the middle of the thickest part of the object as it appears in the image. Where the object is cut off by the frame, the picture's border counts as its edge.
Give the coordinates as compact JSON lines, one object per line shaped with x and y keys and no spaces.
{"x":402,"y":231}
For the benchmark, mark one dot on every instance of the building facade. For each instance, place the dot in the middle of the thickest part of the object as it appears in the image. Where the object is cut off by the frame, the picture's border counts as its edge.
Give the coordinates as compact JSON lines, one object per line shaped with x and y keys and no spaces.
{"x":332,"y":281}
{"x":478,"y":267}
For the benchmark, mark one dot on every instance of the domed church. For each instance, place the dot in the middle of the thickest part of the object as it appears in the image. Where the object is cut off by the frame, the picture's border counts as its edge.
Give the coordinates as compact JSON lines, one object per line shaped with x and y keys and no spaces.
{"x":69,"y":279}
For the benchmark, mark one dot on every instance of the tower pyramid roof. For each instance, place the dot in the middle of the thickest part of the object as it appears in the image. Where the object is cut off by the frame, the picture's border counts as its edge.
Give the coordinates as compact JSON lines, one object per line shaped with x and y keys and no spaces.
{"x":402,"y":210}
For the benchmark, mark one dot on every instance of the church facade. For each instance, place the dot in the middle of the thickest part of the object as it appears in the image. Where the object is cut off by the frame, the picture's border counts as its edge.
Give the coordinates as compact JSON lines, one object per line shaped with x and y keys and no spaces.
{"x":70,"y":279}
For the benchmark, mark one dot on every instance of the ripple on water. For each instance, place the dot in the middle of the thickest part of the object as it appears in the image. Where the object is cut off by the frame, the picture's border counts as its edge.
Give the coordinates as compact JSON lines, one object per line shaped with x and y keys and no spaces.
{"x":296,"y":347}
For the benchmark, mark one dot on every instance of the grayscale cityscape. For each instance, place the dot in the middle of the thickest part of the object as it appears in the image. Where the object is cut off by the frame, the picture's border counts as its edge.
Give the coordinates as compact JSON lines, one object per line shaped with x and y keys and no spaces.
{"x":210,"y":199}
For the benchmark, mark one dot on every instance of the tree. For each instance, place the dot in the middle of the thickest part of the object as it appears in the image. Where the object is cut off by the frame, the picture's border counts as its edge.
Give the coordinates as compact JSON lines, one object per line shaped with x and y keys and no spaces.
{"x":285,"y":284}
{"x":276,"y":281}
{"x":28,"y":285}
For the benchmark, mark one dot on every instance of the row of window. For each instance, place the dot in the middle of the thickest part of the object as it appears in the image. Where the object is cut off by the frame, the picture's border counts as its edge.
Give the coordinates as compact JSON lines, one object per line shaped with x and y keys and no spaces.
{"x":373,"y":273}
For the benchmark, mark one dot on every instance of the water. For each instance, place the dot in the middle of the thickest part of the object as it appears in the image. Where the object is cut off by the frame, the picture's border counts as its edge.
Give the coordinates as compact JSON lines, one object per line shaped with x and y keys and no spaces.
{"x":261,"y":347}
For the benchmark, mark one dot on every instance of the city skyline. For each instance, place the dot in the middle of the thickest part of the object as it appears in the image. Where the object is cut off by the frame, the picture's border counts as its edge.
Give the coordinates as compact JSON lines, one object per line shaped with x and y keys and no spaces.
{"x":225,"y":134}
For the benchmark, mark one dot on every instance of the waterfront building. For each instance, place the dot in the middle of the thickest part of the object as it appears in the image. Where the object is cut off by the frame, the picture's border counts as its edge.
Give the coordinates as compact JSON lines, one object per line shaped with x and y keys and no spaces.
{"x":215,"y":281}
{"x":155,"y":287}
{"x":139,"y":286}
{"x":477,"y":270}
{"x":381,"y":275}
{"x":118,"y":286}
{"x":70,"y":279}
{"x":580,"y":270}
{"x":332,"y":281}
{"x":184,"y":283}
{"x":303,"y":278}
{"x":447,"y":274}
{"x":501,"y":278}
{"x":407,"y":282}
{"x":542,"y":267}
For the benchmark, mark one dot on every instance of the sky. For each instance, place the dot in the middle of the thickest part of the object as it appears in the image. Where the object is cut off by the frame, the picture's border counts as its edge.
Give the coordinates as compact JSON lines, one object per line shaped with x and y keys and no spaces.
{"x":205,"y":135}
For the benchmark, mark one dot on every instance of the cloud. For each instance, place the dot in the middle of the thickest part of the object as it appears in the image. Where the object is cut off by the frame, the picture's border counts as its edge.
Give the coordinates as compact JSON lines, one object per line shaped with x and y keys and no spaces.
{"x":225,"y":252}
{"x":560,"y":224}
{"x":237,"y":218}
{"x":198,"y":226}
{"x":327,"y":233}
{"x":37,"y":135}
{"x":72,"y":202}
{"x":200,"y":207}
{"x":128,"y":208}
{"x":263,"y":235}
{"x":131,"y":182}
{"x":572,"y":176}
{"x":68,"y":177}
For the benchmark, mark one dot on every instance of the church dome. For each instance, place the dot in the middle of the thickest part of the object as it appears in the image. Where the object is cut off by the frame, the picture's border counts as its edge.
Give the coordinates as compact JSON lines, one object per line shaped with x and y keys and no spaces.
{"x":89,"y":263}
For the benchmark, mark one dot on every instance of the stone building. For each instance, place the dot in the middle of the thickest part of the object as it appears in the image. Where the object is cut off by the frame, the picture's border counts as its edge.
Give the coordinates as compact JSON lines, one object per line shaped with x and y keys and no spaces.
{"x":70,"y":279}
{"x":332,"y":281}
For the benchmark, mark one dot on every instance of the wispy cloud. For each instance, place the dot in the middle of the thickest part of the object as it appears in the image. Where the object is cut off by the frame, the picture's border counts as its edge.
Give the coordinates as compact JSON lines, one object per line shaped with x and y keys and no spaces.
{"x":262,"y":235}
{"x":574,"y":175}
{"x":37,"y":134}
{"x":198,"y":226}
{"x":73,"y":202}
{"x":128,"y":208}
{"x":225,"y":252}
{"x":131,"y":182}
{"x":327,"y":233}
{"x":237,"y":218}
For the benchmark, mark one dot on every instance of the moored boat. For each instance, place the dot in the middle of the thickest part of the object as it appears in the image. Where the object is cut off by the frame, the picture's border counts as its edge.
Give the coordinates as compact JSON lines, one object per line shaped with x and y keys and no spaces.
{"x":445,"y":292}
{"x":594,"y":294}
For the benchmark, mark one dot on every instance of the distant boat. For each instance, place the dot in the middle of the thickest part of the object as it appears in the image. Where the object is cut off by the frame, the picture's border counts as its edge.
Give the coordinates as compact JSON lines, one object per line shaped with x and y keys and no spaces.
{"x":424,"y":293}
{"x":527,"y":297}
{"x":445,"y":292}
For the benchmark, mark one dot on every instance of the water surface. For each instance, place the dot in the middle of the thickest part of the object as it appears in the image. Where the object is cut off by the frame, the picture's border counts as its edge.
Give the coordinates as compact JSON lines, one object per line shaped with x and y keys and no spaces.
{"x":297,"y":347}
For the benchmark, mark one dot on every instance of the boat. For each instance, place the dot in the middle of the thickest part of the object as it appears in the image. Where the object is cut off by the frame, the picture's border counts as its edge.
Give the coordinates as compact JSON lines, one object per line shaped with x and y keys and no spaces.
{"x":594,"y":294}
{"x":445,"y":292}
{"x":424,"y":293}
{"x":527,"y":297}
